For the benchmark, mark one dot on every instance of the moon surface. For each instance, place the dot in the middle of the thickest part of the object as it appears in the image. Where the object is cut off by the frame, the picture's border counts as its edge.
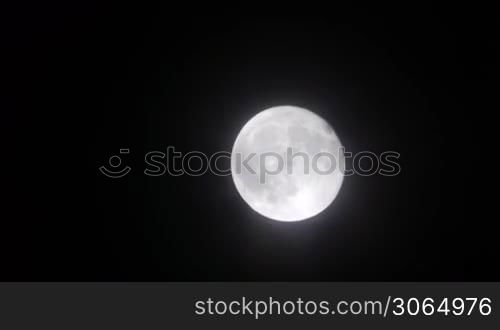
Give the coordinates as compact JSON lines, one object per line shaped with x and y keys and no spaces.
{"x":287,"y":163}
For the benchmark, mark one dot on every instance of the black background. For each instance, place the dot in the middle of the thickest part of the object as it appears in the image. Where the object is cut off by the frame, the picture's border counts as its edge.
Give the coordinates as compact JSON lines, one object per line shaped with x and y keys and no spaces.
{"x":81,"y":82}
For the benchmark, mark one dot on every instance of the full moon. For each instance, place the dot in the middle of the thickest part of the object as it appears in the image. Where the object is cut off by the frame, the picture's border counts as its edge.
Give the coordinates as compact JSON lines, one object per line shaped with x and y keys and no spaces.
{"x":287,"y":163}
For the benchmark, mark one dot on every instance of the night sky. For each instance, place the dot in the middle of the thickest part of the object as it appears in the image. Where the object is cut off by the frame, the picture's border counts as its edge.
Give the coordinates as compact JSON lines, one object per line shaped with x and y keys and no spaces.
{"x":83,"y":82}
